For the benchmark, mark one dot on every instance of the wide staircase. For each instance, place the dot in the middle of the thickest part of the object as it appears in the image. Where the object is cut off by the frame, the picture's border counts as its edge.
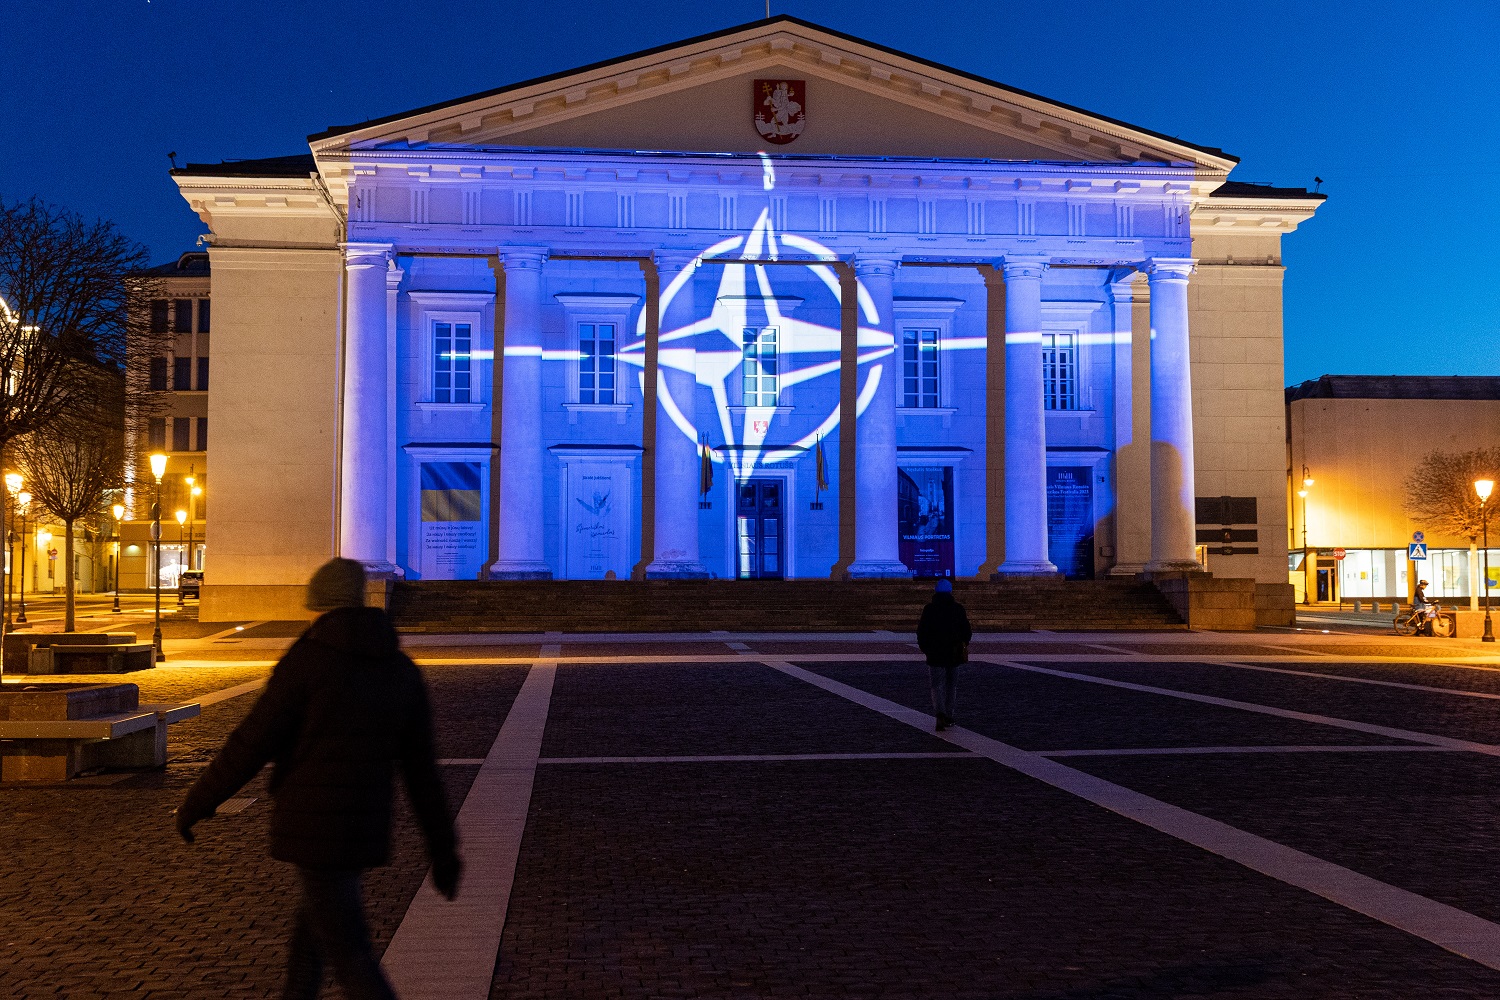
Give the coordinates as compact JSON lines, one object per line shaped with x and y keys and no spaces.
{"x":466,"y":606}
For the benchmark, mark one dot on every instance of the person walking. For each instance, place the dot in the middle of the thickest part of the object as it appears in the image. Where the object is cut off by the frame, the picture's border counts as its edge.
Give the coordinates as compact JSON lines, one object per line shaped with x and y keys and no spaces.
{"x":343,"y":708}
{"x":943,"y":634}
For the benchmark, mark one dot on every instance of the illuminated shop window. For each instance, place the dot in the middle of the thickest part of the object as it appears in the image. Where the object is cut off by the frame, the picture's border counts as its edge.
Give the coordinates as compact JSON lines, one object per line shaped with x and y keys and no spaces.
{"x":919,"y":366}
{"x":760,"y":366}
{"x":451,"y":363}
{"x":596,"y":362}
{"x":1060,"y":370}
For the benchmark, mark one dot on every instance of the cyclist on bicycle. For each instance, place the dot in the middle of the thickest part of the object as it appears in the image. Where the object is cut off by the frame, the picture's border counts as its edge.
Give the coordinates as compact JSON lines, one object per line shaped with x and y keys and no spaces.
{"x":1420,"y":603}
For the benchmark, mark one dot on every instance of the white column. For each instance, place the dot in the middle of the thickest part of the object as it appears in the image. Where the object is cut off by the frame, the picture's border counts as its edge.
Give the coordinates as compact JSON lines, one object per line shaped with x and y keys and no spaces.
{"x":1131,"y":427}
{"x":675,"y":546}
{"x":1025,"y":422}
{"x":1173,"y":518}
{"x":521,"y":555}
{"x":877,"y":542}
{"x":365,"y":456}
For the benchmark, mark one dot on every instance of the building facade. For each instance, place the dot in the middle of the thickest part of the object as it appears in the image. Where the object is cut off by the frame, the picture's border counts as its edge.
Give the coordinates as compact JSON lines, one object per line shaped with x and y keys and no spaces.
{"x":774,"y":302}
{"x":1358,"y":438}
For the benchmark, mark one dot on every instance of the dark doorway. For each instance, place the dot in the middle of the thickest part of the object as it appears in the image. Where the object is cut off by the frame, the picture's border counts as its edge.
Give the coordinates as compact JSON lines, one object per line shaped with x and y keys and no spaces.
{"x":759,"y":530}
{"x":1327,"y":589}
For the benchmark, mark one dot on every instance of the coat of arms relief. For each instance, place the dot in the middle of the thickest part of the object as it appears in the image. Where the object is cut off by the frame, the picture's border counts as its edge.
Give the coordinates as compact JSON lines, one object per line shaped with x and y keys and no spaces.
{"x":780,"y":108}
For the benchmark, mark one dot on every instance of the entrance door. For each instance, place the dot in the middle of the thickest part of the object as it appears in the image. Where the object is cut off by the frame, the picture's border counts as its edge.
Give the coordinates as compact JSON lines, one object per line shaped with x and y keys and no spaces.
{"x":759,"y":531}
{"x":1326,"y":588}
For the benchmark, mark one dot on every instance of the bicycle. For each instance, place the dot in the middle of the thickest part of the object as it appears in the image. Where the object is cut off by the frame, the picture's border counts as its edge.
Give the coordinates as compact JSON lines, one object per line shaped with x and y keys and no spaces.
{"x":1413,"y":621}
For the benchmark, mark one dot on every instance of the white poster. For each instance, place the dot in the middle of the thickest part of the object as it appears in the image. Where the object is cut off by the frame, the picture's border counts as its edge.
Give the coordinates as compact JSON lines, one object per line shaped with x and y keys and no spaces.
{"x":597,"y":519}
{"x":453,"y":529}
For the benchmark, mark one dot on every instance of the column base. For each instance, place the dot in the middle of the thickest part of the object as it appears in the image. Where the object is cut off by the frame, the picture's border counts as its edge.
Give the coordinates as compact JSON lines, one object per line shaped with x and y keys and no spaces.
{"x":676,"y":569}
{"x":878,"y":569}
{"x":379,"y":569}
{"x":1126,"y":569}
{"x":1016,"y":568}
{"x":1175,"y":566}
{"x":518,"y":569}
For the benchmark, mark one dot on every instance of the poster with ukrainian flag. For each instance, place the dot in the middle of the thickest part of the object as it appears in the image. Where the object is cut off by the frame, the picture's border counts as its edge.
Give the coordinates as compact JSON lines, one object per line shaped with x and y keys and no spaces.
{"x":453,"y":531}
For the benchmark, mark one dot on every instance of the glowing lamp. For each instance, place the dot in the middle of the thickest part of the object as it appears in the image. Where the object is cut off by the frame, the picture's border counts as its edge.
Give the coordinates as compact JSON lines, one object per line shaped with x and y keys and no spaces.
{"x":1484,"y":487}
{"x":24,"y":499}
{"x":13,"y":481}
{"x":190,"y":480}
{"x":181,"y":518}
{"x":1307,"y":482}
{"x":1302,"y":494}
{"x":43,"y":537}
{"x":197,"y":490}
{"x":119,"y":510}
{"x":158,"y":465}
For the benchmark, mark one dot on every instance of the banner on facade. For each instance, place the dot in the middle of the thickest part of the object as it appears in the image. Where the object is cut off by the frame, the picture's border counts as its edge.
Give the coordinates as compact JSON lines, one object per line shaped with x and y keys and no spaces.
{"x":1070,"y":520}
{"x":453,"y":532}
{"x":597,"y":526}
{"x":925,"y":511}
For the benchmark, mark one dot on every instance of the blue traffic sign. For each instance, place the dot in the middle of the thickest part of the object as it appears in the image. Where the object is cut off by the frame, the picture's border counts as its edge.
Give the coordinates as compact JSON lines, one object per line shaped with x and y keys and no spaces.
{"x":1416,"y":551}
{"x":1419,"y":536}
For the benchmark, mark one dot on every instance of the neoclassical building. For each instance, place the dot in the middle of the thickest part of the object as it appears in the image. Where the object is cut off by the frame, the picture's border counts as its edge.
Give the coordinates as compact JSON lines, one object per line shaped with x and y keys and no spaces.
{"x":773,"y":302}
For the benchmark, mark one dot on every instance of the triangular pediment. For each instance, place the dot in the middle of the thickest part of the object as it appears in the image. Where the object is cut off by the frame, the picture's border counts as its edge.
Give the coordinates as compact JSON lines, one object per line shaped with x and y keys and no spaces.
{"x":700,"y":96}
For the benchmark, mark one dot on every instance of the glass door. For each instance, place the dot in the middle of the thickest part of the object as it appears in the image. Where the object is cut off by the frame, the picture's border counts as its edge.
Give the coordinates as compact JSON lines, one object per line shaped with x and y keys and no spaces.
{"x":759,"y":530}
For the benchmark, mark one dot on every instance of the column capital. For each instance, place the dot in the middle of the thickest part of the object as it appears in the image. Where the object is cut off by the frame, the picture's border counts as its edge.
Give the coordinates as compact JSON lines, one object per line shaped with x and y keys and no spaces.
{"x":671,"y":260}
{"x":1024,"y":266}
{"x":875,"y":264}
{"x":1125,"y":286}
{"x":393,"y":278}
{"x":367,"y":254}
{"x":522,"y":258}
{"x":1169,"y":268}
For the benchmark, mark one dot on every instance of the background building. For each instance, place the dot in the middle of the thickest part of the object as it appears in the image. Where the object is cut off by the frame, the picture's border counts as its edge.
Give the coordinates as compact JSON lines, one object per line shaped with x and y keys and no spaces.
{"x":1359,"y":437}
{"x":503,"y":336}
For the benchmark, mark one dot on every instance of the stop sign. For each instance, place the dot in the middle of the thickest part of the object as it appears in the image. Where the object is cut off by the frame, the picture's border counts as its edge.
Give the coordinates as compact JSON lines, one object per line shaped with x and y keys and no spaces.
{"x":1338,"y":553}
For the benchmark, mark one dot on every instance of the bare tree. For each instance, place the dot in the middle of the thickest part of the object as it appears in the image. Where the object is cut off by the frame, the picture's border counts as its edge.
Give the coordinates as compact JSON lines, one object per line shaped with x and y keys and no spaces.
{"x":75,"y":463}
{"x":1440,"y":497}
{"x":72,"y":297}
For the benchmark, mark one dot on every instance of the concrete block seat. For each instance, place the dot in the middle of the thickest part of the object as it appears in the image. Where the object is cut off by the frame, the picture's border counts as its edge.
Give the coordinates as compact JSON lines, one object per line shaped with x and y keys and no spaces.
{"x":76,"y":653}
{"x":52,"y":732}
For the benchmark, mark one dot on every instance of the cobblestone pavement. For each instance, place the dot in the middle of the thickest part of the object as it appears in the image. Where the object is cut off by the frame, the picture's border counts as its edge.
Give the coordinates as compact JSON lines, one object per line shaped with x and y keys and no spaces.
{"x":881,"y":861}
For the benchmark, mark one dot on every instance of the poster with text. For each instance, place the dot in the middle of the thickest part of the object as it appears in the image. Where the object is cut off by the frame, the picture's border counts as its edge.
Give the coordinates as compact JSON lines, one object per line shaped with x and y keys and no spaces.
{"x":598,"y":528}
{"x":1070,"y":520}
{"x":925,"y":510}
{"x":453,"y":530}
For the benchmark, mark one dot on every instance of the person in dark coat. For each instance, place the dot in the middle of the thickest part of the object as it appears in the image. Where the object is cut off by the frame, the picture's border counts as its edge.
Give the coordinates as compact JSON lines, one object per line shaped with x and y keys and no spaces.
{"x":943,"y":634}
{"x":342,"y":710}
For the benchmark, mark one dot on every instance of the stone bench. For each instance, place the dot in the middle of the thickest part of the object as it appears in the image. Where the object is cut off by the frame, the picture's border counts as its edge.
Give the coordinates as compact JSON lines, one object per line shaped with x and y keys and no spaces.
{"x":52,"y":732}
{"x":77,"y":658}
{"x":20,"y":647}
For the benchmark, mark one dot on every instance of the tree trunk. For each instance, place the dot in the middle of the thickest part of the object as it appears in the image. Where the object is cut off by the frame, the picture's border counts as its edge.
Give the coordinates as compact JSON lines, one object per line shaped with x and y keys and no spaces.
{"x":68,"y":576}
{"x":1473,"y":574}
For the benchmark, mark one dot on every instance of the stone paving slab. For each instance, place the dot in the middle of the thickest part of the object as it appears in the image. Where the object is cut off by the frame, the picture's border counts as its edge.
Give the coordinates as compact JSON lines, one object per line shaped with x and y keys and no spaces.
{"x":1460,"y":678}
{"x":1428,"y":712}
{"x":1037,"y":712}
{"x":1204,"y":649}
{"x":687,"y":709}
{"x":910,"y":879}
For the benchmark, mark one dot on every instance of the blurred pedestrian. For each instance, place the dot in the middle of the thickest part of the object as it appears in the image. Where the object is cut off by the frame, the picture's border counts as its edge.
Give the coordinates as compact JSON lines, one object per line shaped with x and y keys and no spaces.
{"x":943,"y":634}
{"x":342,"y":710}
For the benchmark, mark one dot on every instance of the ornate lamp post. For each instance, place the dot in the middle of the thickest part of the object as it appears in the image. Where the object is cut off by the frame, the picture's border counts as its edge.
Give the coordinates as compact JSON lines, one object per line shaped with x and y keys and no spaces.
{"x":24,"y":502}
{"x":1484,"y":487}
{"x":194,"y":492}
{"x":119,"y":512}
{"x":13,"y":485}
{"x":181,"y":520}
{"x":158,"y":469}
{"x":1309,"y":573}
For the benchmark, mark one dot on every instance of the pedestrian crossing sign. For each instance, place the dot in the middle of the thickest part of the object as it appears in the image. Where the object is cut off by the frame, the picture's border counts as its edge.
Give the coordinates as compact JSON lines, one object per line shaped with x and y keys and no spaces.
{"x":1416,"y":551}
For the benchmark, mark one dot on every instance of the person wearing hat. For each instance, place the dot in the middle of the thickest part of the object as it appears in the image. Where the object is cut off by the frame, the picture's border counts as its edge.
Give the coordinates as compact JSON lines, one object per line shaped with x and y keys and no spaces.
{"x":943,"y":634}
{"x":344,"y":708}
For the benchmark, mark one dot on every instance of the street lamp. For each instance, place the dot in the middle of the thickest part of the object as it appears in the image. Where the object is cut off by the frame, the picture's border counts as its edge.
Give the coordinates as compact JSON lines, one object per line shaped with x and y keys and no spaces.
{"x":158,"y":469}
{"x":119,"y":512}
{"x":23,"y":500}
{"x":1309,"y":574}
{"x":193,"y":495}
{"x":12,"y":484}
{"x":181,"y":520}
{"x":1484,"y":487}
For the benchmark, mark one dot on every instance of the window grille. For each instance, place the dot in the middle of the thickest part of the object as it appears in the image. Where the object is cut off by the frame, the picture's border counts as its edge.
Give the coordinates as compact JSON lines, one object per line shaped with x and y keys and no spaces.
{"x":1060,"y":370}
{"x":451,"y":362}
{"x":596,"y":363}
{"x":761,"y":383}
{"x":919,"y":365}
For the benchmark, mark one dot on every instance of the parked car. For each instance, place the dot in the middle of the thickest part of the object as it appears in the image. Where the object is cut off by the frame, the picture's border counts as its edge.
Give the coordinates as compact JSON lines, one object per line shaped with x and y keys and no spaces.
{"x":189,"y":583}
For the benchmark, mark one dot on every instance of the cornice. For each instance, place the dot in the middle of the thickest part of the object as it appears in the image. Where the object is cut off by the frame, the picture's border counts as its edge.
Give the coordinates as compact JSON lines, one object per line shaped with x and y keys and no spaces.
{"x":1220,"y":216}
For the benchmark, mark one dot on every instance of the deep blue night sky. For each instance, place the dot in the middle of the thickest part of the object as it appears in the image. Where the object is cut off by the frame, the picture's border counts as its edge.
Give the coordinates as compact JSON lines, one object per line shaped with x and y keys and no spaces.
{"x":1394,"y":106}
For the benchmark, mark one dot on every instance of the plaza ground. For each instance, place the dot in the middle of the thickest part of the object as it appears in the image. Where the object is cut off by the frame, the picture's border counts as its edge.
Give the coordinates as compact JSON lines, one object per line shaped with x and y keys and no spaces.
{"x":1275,"y":814}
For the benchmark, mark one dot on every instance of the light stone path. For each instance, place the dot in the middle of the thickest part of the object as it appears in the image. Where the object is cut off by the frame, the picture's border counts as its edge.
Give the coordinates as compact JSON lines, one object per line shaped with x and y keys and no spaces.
{"x":446,"y":950}
{"x":1446,"y":926}
{"x":1356,"y":680}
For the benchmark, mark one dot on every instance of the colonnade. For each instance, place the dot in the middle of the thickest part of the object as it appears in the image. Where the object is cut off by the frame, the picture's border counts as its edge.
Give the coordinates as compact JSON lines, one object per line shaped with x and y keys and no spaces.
{"x":366,"y":452}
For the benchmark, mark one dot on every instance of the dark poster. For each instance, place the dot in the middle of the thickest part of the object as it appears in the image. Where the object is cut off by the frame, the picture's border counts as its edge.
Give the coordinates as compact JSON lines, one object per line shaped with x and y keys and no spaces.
{"x":925,"y":509}
{"x":1070,"y":520}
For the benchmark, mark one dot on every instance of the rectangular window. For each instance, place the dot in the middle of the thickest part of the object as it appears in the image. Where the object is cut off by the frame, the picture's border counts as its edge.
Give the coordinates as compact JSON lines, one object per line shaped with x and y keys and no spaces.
{"x":761,"y":384}
{"x":919,"y":368}
{"x":202,"y":433}
{"x":182,"y":428}
{"x":158,"y":315}
{"x":202,"y":315}
{"x":158,"y":374}
{"x":1060,"y":371}
{"x":202,"y":374}
{"x":156,"y":434}
{"x":451,"y":361}
{"x":596,"y":362}
{"x":182,"y":316}
{"x":182,"y":374}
